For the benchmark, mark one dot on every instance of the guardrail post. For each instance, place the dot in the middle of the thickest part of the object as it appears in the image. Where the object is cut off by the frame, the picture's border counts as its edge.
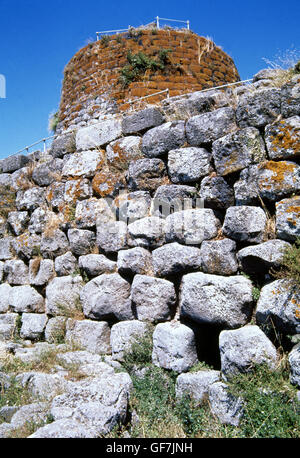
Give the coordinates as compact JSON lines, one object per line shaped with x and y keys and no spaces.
{"x":188,"y":25}
{"x":157,"y":22}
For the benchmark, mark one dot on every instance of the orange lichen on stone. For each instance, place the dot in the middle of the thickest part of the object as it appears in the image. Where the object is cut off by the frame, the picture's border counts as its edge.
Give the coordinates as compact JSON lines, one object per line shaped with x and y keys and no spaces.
{"x":287,"y":138}
{"x":278,"y":169}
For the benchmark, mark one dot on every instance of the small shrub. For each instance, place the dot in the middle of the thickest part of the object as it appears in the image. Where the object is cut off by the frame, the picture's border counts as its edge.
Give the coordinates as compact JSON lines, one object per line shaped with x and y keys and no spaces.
{"x":53,"y":122}
{"x":139,"y":63}
{"x":7,"y":200}
{"x":105,"y":40}
{"x":270,"y":405}
{"x":14,"y":395}
{"x":290,"y":264}
{"x":140,"y":353}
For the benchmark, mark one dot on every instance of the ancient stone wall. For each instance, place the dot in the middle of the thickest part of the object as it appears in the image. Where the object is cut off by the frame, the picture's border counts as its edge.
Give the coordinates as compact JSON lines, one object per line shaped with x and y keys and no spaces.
{"x":188,"y":63}
{"x":169,"y":223}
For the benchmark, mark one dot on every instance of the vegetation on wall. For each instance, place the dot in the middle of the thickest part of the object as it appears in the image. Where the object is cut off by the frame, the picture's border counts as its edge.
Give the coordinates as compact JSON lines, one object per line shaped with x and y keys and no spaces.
{"x":139,"y":63}
{"x":53,"y":121}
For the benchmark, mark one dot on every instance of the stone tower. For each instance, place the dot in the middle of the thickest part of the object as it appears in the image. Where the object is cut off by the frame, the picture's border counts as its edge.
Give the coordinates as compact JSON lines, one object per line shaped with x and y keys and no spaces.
{"x":106,"y":74}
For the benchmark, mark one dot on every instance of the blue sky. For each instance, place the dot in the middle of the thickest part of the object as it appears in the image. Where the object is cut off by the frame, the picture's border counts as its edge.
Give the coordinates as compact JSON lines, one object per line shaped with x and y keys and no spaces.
{"x":37,"y":39}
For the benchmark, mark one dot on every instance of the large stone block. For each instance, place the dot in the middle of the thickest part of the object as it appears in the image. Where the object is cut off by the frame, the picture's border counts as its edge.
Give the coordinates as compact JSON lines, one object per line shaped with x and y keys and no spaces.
{"x":217,"y":300}
{"x":153,"y":299}
{"x":174,"y":347}
{"x":107,"y":297}
{"x":98,"y":134}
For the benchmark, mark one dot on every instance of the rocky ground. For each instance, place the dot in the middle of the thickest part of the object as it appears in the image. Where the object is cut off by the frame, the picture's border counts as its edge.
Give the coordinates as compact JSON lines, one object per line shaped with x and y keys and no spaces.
{"x":175,"y":227}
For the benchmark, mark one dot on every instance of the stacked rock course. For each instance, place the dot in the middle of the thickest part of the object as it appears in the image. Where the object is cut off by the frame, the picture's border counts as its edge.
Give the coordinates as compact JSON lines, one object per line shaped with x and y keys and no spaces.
{"x":152,"y":219}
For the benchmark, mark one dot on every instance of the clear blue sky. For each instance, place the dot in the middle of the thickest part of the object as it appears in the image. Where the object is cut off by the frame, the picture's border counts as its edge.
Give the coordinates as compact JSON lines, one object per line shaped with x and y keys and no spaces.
{"x":37,"y":39}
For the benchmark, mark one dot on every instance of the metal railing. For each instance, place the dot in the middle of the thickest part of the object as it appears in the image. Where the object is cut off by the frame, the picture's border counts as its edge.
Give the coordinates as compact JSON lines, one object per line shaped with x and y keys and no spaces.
{"x":146,"y":97}
{"x":171,"y":20}
{"x":27,"y":148}
{"x":156,"y":21}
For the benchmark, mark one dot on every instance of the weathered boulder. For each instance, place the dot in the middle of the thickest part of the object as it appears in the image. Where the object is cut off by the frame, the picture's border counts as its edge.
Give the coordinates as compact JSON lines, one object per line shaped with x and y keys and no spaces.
{"x":41,"y":271}
{"x":27,"y":245}
{"x":219,"y":257}
{"x":55,"y":194}
{"x":62,"y":296}
{"x":153,"y":299}
{"x":84,"y":164}
{"x":81,"y":241}
{"x":294,"y":361}
{"x":216,"y":193}
{"x":208,"y":127}
{"x":186,"y":165}
{"x":288,"y":219}
{"x":75,"y":190}
{"x":98,"y":134}
{"x":112,"y":236}
{"x":258,"y":108}
{"x":35,"y":413}
{"x":164,"y":138}
{"x":6,"y":248}
{"x":65,"y":264}
{"x":96,"y":264}
{"x":107,"y":296}
{"x":55,"y":329}
{"x":39,"y":219}
{"x":172,"y":198}
{"x":174,"y":258}
{"x":192,"y":226}
{"x":121,"y":151}
{"x":245,"y":189}
{"x":147,"y":232}
{"x":174,"y":347}
{"x":238,"y":150}
{"x":89,"y":335}
{"x":242,"y":349}
{"x":42,"y":386}
{"x":133,"y":206}
{"x":30,"y":199}
{"x":100,"y":403}
{"x":54,"y":243}
{"x":290,"y":95}
{"x":89,"y":211}
{"x":8,"y":326}
{"x":226,"y":407}
{"x":26,"y":299}
{"x":145,"y":174}
{"x":18,"y":221}
{"x":33,"y":325}
{"x":65,"y":428}
{"x":245,"y":224}
{"x":278,"y":306}
{"x":4,"y":297}
{"x":261,"y":258}
{"x":13,"y":163}
{"x":63,"y":144}
{"x":222,"y":301}
{"x":196,"y":384}
{"x":123,"y":335}
{"x":135,"y":261}
{"x":283,"y":138}
{"x":275,"y":180}
{"x":16,"y":272}
{"x":47,"y":172}
{"x":142,"y":120}
{"x":88,"y":364}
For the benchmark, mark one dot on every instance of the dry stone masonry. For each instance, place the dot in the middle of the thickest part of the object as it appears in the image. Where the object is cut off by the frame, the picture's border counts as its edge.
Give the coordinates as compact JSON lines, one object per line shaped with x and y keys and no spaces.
{"x":151,"y":220}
